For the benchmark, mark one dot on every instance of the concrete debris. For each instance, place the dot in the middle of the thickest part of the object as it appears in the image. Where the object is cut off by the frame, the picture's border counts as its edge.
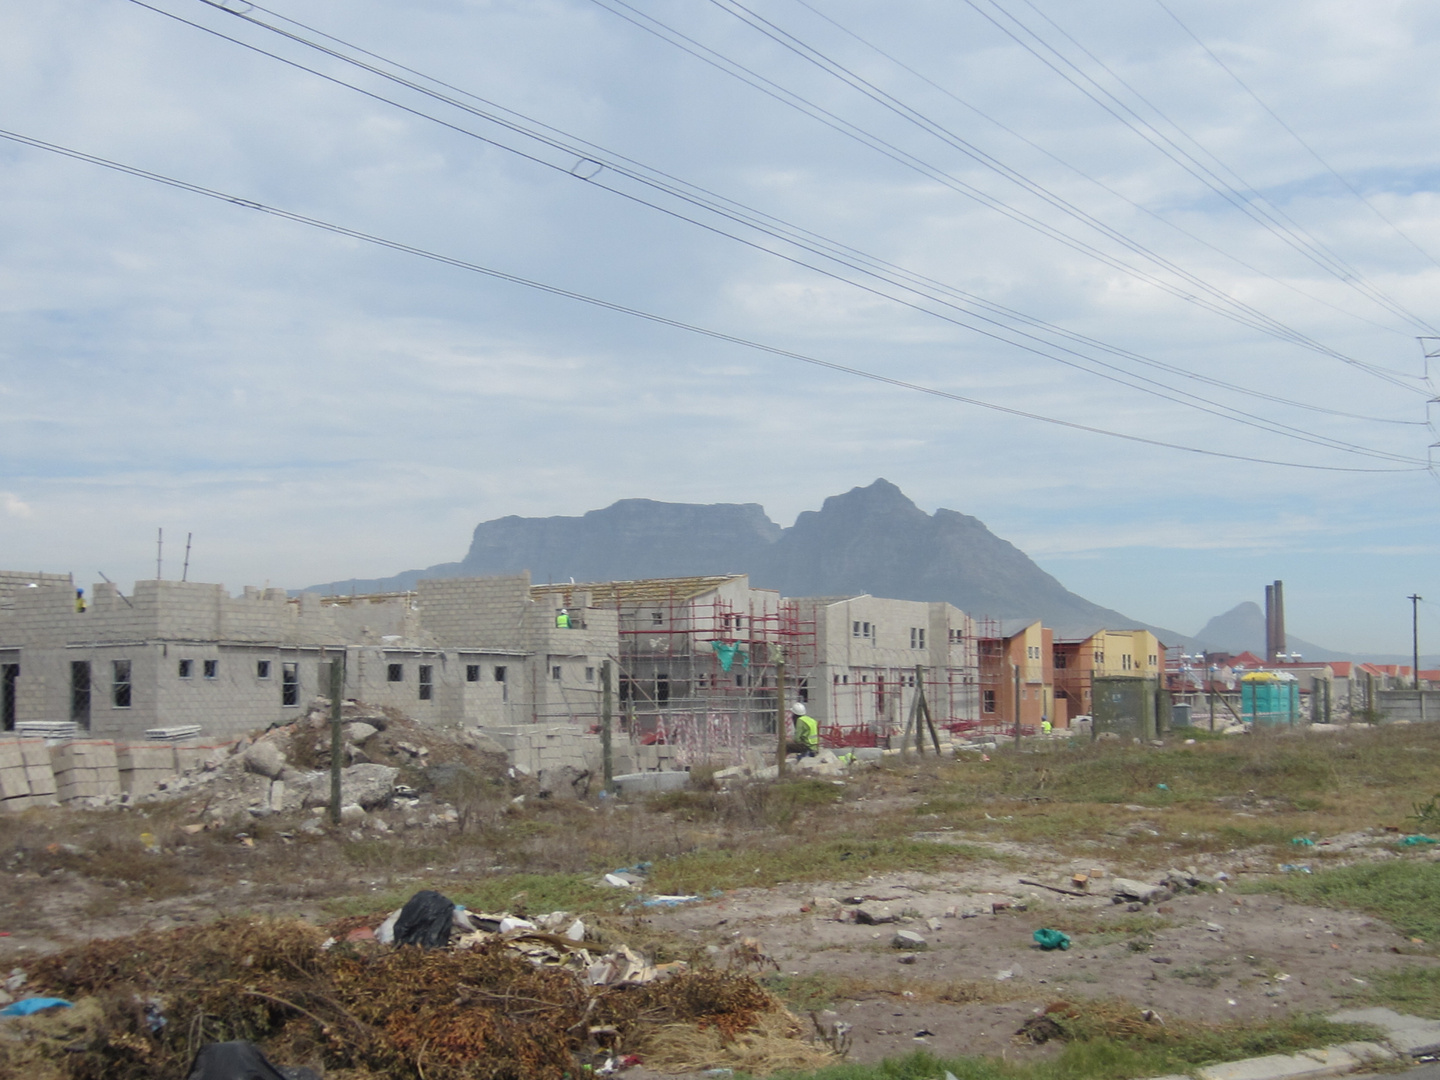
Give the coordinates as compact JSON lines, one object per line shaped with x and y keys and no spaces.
{"x":265,"y":758}
{"x":908,"y":939}
{"x":874,"y":915}
{"x":358,"y":732}
{"x":1127,"y":889}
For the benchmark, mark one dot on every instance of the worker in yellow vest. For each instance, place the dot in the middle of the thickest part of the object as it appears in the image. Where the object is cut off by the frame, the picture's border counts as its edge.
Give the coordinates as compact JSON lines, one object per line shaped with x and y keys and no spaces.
{"x":562,"y":619}
{"x":807,"y":732}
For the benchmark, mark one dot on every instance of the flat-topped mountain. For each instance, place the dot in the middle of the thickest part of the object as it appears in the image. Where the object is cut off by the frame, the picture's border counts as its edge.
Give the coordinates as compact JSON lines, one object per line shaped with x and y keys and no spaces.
{"x":869,"y":540}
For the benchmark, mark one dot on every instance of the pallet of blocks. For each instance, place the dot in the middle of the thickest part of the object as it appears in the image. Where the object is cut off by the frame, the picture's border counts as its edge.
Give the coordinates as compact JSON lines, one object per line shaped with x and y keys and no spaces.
{"x":25,"y":776}
{"x":144,"y":767}
{"x":85,"y":769}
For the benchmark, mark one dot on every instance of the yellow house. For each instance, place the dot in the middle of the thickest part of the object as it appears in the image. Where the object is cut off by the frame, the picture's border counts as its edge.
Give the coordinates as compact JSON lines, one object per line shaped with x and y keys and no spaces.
{"x":1121,"y":653}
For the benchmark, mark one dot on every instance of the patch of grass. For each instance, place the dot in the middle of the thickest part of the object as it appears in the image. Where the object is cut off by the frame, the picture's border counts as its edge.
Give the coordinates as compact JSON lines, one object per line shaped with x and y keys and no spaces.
{"x":1400,"y":891}
{"x":1108,"y":1041}
{"x":818,"y":859}
{"x":1412,"y":989}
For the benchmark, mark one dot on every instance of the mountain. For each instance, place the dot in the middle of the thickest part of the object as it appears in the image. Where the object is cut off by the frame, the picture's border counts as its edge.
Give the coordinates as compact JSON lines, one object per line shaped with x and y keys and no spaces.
{"x":1243,"y":628}
{"x":869,"y":540}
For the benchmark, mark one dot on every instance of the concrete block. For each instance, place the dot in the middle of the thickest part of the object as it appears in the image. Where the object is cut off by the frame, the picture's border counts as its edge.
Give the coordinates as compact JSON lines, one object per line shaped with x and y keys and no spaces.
{"x":35,"y":752}
{"x":41,"y":778}
{"x":145,"y":756}
{"x":638,"y":783}
{"x":14,"y":784}
{"x":15,"y":804}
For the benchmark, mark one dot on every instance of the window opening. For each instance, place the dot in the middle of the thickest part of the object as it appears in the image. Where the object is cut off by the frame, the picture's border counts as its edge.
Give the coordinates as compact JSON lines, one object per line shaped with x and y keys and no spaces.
{"x":212,"y":668}
{"x":427,"y":685}
{"x":395,"y":673}
{"x":262,"y":669}
{"x":472,"y":672}
{"x":988,"y":700}
{"x":80,"y":692}
{"x":120,"y":684}
{"x":8,"y":674}
{"x":186,"y":668}
{"x":289,"y":684}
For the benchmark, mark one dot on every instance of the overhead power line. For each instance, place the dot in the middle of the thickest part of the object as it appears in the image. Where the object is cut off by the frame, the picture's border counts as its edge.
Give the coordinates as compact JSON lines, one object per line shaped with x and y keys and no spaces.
{"x":1070,"y":357}
{"x":607,"y":305}
{"x":1295,"y":134}
{"x":1071,"y":167}
{"x":1215,"y":300}
{"x":1246,"y":199}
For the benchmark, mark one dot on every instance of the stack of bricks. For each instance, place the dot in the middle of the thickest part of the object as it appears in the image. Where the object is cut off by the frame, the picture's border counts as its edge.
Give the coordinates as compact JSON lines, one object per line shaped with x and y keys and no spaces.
{"x":191,"y":755}
{"x":14,"y":783}
{"x":538,"y":747}
{"x":85,"y":769}
{"x":25,"y":776}
{"x":144,"y":766}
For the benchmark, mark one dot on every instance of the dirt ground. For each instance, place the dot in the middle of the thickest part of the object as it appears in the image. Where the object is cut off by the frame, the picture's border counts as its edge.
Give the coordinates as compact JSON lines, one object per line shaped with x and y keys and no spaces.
{"x":1211,"y":955}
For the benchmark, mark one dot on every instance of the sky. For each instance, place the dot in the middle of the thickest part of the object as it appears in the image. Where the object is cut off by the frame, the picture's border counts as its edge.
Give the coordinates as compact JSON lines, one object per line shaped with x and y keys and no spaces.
{"x":1137,"y":284}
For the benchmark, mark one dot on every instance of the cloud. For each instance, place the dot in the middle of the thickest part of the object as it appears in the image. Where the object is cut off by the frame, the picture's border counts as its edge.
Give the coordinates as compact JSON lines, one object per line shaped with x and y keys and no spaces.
{"x":314,"y":407}
{"x":11,"y":504}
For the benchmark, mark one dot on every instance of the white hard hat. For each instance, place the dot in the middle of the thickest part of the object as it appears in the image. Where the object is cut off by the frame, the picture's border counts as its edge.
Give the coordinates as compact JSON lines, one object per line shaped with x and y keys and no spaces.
{"x":798,"y":708}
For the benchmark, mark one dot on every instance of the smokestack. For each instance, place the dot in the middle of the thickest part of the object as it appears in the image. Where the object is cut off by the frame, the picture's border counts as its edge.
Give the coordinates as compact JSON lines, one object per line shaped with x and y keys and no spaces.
{"x":1269,"y":623}
{"x":1279,"y":619}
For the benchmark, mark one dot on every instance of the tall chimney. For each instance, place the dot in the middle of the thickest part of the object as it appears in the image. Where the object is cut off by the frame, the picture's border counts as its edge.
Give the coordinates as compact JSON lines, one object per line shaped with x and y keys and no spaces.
{"x":1279,"y":620}
{"x":1269,"y":623}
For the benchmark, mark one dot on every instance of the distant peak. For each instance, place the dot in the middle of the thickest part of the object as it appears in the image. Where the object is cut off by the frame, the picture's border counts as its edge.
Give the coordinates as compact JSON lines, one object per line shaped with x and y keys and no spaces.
{"x":880,"y":497}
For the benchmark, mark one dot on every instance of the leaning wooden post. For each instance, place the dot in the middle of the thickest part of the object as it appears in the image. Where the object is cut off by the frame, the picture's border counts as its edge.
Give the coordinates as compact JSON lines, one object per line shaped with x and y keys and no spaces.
{"x":337,"y":741}
{"x":924,"y":712}
{"x":606,"y":753}
{"x":780,"y":711}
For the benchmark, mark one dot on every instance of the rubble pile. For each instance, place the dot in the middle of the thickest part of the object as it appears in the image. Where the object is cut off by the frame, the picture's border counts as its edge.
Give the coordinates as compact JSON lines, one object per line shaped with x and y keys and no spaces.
{"x":497,"y":1004}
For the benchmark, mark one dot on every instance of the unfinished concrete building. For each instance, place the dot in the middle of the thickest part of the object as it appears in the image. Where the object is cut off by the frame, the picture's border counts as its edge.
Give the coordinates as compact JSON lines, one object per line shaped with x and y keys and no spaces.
{"x":696,"y":656}
{"x":175,"y":653}
{"x":867,"y":651}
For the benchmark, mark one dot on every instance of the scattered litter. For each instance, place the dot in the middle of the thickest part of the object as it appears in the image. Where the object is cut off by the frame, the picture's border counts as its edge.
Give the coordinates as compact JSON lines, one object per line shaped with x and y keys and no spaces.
{"x":31,"y":1006}
{"x":618,"y":882}
{"x":1049,"y":939}
{"x":365,"y":1010}
{"x":1292,"y":868}
{"x":238,"y":1061}
{"x":1303,"y":841}
{"x":425,"y":920}
{"x":668,"y":901}
{"x":1417,"y":839}
{"x":1001,"y":976}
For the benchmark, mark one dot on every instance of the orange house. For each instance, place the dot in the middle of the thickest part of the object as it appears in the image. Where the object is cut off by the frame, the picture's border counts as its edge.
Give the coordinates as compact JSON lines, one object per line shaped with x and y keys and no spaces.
{"x":1022,"y":660}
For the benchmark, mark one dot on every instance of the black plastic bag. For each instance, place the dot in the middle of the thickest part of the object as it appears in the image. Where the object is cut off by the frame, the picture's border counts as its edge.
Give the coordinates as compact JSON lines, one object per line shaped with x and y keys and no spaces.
{"x":425,"y":920}
{"x":240,"y":1061}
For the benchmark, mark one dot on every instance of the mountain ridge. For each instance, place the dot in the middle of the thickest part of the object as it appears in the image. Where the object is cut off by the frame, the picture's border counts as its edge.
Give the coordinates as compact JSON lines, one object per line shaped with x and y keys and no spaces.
{"x":871,"y":539}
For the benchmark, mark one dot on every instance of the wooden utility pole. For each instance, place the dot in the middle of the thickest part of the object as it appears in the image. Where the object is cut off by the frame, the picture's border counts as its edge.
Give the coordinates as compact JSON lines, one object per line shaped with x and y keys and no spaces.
{"x":606,"y":752}
{"x":337,"y":741}
{"x":780,"y":712}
